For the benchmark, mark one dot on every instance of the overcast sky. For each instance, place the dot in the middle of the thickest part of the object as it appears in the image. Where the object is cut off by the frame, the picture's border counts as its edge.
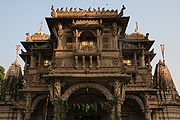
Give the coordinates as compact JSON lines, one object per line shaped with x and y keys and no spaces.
{"x":160,"y":18}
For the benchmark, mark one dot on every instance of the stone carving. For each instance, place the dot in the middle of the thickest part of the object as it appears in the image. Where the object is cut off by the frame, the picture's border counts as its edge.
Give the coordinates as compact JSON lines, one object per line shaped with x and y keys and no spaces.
{"x":58,"y":32}
{"x":99,"y":87}
{"x":117,"y":89}
{"x":56,"y":64}
{"x":86,"y":22}
{"x":57,"y":89}
{"x":28,"y":100}
{"x":88,"y":49}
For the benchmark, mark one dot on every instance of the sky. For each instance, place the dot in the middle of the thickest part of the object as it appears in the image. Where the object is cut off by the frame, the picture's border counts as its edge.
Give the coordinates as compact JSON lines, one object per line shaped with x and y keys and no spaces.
{"x":160,"y":18}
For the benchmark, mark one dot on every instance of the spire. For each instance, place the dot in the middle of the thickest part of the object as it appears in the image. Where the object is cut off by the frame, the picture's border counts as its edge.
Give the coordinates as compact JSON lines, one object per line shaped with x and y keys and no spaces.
{"x":137,"y":28}
{"x":40,"y":29}
{"x":17,"y":50}
{"x":162,"y":51}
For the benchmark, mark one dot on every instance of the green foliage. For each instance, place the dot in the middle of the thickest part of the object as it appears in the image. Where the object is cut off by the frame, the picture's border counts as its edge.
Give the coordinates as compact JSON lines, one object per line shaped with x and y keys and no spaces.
{"x":60,"y":105}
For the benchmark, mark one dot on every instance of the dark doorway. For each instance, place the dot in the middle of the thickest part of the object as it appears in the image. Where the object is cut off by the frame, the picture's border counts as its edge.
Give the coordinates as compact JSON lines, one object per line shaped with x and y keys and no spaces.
{"x":43,"y":110}
{"x":131,"y":111}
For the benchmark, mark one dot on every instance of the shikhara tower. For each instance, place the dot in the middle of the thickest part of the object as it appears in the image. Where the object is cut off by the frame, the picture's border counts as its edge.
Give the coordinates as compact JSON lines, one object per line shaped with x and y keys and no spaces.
{"x":88,"y":68}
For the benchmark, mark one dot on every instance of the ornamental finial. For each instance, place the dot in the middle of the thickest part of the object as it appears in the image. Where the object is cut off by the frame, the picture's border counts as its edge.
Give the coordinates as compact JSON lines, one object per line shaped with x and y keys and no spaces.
{"x":137,"y":27}
{"x":162,"y":51}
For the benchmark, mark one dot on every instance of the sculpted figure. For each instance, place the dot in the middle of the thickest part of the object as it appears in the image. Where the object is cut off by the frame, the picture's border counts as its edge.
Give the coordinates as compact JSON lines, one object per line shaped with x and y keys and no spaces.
{"x":57,"y":89}
{"x":122,"y":10}
{"x":28,"y":37}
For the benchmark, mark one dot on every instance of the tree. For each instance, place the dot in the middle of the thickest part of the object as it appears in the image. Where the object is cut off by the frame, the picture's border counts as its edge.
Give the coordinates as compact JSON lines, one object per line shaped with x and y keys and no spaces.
{"x":2,"y":70}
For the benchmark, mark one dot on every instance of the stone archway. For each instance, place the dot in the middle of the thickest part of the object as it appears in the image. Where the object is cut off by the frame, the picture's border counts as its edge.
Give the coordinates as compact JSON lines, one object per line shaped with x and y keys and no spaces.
{"x":99,"y":87}
{"x":133,"y":108}
{"x":42,"y":108}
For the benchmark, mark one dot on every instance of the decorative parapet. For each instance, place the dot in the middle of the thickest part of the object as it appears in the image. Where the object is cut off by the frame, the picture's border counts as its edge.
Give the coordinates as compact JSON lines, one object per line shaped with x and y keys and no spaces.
{"x":73,"y":12}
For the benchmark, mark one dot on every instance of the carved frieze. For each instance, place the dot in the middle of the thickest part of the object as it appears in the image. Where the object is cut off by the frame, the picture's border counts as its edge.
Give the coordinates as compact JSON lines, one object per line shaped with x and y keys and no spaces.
{"x":56,"y":64}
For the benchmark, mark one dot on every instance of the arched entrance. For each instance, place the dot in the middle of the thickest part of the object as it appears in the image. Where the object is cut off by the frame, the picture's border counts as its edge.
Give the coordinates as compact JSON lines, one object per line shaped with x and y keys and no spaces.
{"x":133,"y":109}
{"x":42,"y":109}
{"x":87,"y":104}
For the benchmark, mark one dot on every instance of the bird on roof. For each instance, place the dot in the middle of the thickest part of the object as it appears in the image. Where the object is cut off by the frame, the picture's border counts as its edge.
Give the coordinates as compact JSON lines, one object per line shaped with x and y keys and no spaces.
{"x":89,"y":8}
{"x":80,"y":9}
{"x":99,"y":8}
{"x":103,"y":8}
{"x":70,"y":9}
{"x":75,"y":8}
{"x":66,"y":9}
{"x":61,"y":9}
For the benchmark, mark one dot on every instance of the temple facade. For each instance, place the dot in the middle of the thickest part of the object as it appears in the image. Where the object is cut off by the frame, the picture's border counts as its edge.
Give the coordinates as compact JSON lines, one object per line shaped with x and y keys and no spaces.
{"x":88,"y":68}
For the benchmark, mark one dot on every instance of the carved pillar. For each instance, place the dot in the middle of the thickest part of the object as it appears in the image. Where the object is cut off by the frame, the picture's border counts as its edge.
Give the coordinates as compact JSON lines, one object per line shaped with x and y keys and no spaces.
{"x":112,"y":114}
{"x":76,"y":34}
{"x":98,"y":43}
{"x":18,"y":115}
{"x":33,"y":61}
{"x":135,"y":58}
{"x":28,"y":107}
{"x":143,"y":59}
{"x":76,"y":61}
{"x":147,"y":110}
{"x":39,"y":60}
{"x":83,"y":61}
{"x":98,"y":61}
{"x":76,"y":45}
{"x":118,"y":94}
{"x":90,"y":62}
{"x":98,"y":39}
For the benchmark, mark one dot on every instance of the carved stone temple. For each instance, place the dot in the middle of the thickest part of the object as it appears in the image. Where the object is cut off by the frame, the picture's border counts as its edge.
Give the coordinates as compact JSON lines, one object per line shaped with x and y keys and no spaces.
{"x":88,"y":68}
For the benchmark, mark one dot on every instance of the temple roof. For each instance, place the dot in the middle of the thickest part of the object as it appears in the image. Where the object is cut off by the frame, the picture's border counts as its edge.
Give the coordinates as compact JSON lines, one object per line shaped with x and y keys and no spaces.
{"x":163,"y":77}
{"x":38,"y":36}
{"x":14,"y":70}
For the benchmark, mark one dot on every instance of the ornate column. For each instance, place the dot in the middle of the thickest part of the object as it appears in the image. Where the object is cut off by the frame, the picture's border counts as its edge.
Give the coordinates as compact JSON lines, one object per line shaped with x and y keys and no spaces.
{"x":119,"y":94}
{"x":98,"y":61}
{"x":147,"y":110}
{"x":98,"y":39}
{"x":83,"y":61}
{"x":18,"y":115}
{"x":90,"y":62}
{"x":57,"y":96}
{"x":39,"y":60}
{"x":76,"y":62}
{"x":143,"y":59}
{"x":76,"y":35}
{"x":135,"y":58}
{"x":33,"y":63}
{"x":28,"y":106}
